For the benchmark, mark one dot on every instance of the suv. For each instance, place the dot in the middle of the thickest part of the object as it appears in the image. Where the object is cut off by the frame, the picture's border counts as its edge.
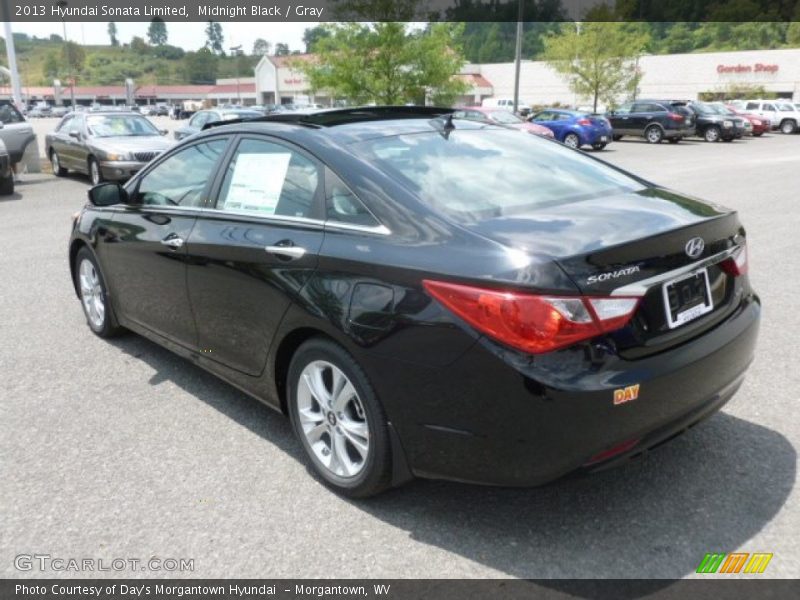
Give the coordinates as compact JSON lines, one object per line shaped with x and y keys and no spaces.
{"x":654,"y":120}
{"x":783,"y":115}
{"x":6,"y":172}
{"x":15,"y":132}
{"x":713,"y":123}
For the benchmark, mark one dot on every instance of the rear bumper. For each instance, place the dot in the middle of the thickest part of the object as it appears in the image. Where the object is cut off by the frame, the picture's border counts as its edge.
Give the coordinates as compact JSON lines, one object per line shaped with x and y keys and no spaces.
{"x":497,"y":417}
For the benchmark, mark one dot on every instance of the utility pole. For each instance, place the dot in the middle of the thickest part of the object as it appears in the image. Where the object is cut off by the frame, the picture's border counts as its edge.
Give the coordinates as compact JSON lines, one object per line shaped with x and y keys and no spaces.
{"x":16,"y":89}
{"x":235,"y":51}
{"x":518,"y":55}
{"x":70,"y":78}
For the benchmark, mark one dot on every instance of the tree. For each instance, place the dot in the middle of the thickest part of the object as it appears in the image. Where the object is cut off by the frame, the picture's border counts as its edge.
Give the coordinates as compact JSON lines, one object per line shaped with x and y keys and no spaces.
{"x":157,"y":32}
{"x":281,"y":49}
{"x":386,"y":63}
{"x":74,"y":56}
{"x":598,"y":59}
{"x":54,"y":37}
{"x":312,"y":35}
{"x":50,"y":66}
{"x":200,"y":66}
{"x":112,"y":33}
{"x":261,"y":47}
{"x":214,"y":38}
{"x":138,"y":45}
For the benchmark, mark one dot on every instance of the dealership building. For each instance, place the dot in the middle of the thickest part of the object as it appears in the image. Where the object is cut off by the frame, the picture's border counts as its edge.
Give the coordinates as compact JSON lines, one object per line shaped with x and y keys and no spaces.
{"x":683,"y":76}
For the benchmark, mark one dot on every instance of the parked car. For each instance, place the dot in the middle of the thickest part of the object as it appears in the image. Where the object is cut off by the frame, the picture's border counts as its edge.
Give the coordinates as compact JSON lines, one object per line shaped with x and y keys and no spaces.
{"x":15,"y":132}
{"x":501,"y":117}
{"x":782,"y":116}
{"x":575,"y":128}
{"x":105,"y":145}
{"x":199,"y":119}
{"x":654,"y":120}
{"x":427,"y":296}
{"x":759,"y":125}
{"x":714,"y":123}
{"x":6,"y":172}
{"x":59,"y":111}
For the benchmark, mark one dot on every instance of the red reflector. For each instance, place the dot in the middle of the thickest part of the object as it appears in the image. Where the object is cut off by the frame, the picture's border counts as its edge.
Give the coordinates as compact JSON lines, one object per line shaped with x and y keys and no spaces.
{"x":533,"y":323}
{"x":674,"y":116}
{"x":736,"y":266}
{"x":612,"y":452}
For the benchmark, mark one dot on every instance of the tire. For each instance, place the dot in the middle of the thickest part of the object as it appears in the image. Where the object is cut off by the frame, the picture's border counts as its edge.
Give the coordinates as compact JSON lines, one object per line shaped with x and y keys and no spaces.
{"x":654,"y":134}
{"x":354,"y":460}
{"x":616,"y":138}
{"x":599,"y":147}
{"x":759,"y":134}
{"x":58,"y":170}
{"x":572,"y":140}
{"x":7,"y":184}
{"x":95,"y":174}
{"x":674,"y":140}
{"x":712,"y":134}
{"x":727,"y":139}
{"x":788,"y":126}
{"x":93,"y":293}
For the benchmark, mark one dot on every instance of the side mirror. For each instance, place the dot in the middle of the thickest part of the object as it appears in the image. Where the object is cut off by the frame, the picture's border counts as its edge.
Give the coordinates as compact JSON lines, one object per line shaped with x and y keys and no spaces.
{"x":163,"y":131}
{"x":108,"y":194}
{"x":75,"y":134}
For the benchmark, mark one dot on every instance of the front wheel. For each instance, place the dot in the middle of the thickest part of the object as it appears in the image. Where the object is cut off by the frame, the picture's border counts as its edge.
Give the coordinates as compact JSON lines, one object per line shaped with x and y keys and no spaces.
{"x":94,"y":296}
{"x":95,"y":174}
{"x":572,"y":140}
{"x":339,"y":420}
{"x":712,"y":134}
{"x":58,"y":170}
{"x":788,"y":127}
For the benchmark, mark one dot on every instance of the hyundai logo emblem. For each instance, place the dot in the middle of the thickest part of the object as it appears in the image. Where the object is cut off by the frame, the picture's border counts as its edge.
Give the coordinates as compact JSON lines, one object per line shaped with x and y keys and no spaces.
{"x":695,"y":247}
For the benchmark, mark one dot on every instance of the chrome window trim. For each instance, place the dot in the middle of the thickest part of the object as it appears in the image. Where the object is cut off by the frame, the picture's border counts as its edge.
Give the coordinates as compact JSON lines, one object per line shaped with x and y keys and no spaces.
{"x":640,"y":288}
{"x":282,"y":219}
{"x":376,"y":229}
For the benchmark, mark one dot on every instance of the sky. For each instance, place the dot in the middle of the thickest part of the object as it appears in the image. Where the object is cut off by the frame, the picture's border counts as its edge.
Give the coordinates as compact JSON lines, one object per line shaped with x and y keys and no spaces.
{"x":189,"y":36}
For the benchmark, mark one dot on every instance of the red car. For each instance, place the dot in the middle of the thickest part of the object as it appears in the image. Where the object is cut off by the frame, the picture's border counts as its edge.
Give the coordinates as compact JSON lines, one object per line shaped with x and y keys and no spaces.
{"x":759,"y":123}
{"x":501,"y":117}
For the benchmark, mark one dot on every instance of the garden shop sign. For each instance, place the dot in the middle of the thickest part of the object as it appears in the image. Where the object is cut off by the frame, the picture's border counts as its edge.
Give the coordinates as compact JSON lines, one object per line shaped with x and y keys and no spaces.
{"x":756,"y":68}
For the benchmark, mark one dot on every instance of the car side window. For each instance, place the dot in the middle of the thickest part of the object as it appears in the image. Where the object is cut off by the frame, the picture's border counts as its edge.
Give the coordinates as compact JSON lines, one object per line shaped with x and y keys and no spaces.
{"x":9,"y":114}
{"x":752,"y":106}
{"x":624,"y":109}
{"x":267,"y":178}
{"x":181,"y":179}
{"x":66,"y":124}
{"x":769,"y":107}
{"x":543,"y":116}
{"x":342,"y":205}
{"x":563,"y":117}
{"x":640,"y":107}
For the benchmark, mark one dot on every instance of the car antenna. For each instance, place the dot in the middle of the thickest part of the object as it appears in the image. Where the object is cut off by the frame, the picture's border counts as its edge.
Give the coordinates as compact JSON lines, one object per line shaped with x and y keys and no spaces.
{"x":444,"y":124}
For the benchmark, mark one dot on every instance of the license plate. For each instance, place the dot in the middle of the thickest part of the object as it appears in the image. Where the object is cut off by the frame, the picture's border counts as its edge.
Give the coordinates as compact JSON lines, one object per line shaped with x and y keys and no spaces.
{"x":687,"y":298}
{"x":603,"y":138}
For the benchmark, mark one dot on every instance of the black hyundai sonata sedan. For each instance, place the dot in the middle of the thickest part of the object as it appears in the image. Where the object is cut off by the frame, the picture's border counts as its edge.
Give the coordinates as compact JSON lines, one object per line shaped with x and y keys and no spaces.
{"x":427,"y":296}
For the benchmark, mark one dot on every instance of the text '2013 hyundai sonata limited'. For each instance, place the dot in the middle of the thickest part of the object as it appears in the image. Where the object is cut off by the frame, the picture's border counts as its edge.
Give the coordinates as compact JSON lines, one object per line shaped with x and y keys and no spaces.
{"x":427,"y":296}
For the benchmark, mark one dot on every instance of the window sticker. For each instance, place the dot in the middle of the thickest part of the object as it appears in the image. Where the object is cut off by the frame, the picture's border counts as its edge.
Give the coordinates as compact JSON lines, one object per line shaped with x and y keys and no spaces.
{"x":257,"y":182}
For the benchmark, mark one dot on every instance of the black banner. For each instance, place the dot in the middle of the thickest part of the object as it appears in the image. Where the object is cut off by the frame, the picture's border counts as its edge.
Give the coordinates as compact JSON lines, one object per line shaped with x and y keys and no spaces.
{"x":397,"y":589}
{"x":397,"y":10}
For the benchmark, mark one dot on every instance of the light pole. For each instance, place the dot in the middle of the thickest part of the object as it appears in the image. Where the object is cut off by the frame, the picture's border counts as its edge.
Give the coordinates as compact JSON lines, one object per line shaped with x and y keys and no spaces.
{"x":236,"y":50}
{"x":16,"y":90}
{"x":70,"y":78}
{"x":518,"y":56}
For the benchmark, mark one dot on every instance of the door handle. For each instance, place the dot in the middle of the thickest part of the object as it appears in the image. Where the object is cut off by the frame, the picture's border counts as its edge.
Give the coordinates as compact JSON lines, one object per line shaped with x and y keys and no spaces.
{"x":173,"y":241}
{"x":289,"y":252}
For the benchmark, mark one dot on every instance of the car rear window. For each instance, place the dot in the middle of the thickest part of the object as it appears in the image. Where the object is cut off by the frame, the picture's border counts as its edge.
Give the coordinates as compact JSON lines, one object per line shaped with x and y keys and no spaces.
{"x":476,"y":174}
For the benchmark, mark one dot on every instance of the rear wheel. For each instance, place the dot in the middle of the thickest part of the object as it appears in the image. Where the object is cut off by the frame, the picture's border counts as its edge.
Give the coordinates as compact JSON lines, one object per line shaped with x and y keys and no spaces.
{"x":711,"y":134}
{"x":7,"y":184}
{"x":339,"y":419}
{"x":58,"y":170}
{"x":93,"y":294}
{"x":572,"y":140}
{"x":599,"y":146}
{"x":616,"y":137}
{"x":788,"y":126}
{"x":654,"y":134}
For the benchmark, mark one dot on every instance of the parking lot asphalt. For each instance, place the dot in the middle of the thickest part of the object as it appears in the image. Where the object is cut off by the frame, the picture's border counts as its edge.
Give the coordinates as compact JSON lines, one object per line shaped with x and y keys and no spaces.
{"x":121,"y":449}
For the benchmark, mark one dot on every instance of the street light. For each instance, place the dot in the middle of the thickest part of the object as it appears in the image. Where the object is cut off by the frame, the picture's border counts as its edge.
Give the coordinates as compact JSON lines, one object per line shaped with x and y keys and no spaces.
{"x":235,"y":50}
{"x":70,"y":79}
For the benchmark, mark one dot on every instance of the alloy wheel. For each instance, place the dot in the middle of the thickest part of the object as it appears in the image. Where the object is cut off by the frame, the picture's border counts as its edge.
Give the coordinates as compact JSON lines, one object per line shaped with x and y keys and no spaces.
{"x":572,"y":140}
{"x":332,"y":419}
{"x":712,"y":134}
{"x":94,"y":172}
{"x":55,"y":163}
{"x":654,"y":135}
{"x":92,"y":294}
{"x":787,"y":127}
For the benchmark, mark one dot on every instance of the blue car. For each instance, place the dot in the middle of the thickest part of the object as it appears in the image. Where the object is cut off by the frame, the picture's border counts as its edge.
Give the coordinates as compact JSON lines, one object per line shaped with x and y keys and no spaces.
{"x":575,"y":128}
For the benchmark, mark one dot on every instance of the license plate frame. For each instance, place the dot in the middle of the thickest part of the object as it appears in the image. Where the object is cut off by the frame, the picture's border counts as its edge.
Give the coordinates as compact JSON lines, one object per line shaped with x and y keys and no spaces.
{"x":603,"y":138}
{"x":691,"y":310}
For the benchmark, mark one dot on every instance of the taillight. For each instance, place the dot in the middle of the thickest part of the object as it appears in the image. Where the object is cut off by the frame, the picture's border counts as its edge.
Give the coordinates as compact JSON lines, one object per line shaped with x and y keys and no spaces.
{"x":533,"y":323}
{"x":584,"y":122}
{"x":735,"y":266}
{"x":674,"y":116}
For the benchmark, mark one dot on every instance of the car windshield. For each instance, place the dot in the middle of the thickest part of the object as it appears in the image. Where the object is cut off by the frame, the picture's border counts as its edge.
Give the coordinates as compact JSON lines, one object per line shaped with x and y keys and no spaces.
{"x":785,"y":107}
{"x":504,"y":117}
{"x":119,"y":125}
{"x":703,"y":109}
{"x":477,"y":174}
{"x":722,"y":110}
